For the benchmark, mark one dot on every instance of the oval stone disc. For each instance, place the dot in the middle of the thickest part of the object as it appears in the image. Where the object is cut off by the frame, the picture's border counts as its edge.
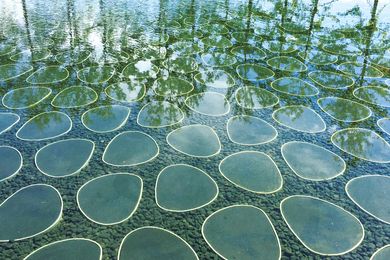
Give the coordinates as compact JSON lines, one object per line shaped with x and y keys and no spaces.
{"x":254,"y":72}
{"x":74,"y":96}
{"x":181,"y":65}
{"x":11,"y":162}
{"x":159,"y":114}
{"x":172,"y":87}
{"x":382,"y":253}
{"x":331,"y":80}
{"x":96,"y":74}
{"x":218,"y":59}
{"x":215,"y":79}
{"x":208,"y":103}
{"x":374,"y":95}
{"x":48,"y":75}
{"x":27,"y":97}
{"x":251,"y":97}
{"x":344,"y":109}
{"x":294,"y":86}
{"x":286,"y":63}
{"x":126,"y":91}
{"x":7,"y":121}
{"x":384,"y":124}
{"x":14,"y":70}
{"x":105,"y":119}
{"x":140,"y":70}
{"x":357,"y":68}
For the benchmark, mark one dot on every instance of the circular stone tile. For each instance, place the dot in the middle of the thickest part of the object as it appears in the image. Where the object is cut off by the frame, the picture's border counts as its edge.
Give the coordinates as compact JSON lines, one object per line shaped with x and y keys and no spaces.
{"x":140,"y":70}
{"x":248,"y":53}
{"x":126,"y":91}
{"x":362,"y":143}
{"x":48,"y":75}
{"x":26,"y":97}
{"x":195,"y":141}
{"x":73,"y":57}
{"x":213,"y":28}
{"x":215,"y":79}
{"x":11,"y":163}
{"x":384,"y":124}
{"x":72,"y":248}
{"x":96,"y":74}
{"x":218,"y":59}
{"x":110,"y":199}
{"x":105,"y":119}
{"x":253,"y":72}
{"x":374,"y":95}
{"x":31,"y":55}
{"x":130,"y":148}
{"x":181,"y":65}
{"x":251,"y":97}
{"x":30,"y":211}
{"x":184,"y":48}
{"x":74,"y":96}
{"x":182,"y":187}
{"x":11,"y":71}
{"x":371,"y":193}
{"x":208,"y":103}
{"x":217,"y":41}
{"x":45,"y":126}
{"x":245,"y":37}
{"x":318,"y":57}
{"x":322,"y":227}
{"x":343,"y":48}
{"x":252,"y":171}
{"x":285,"y":63}
{"x":312,"y":162}
{"x":7,"y":121}
{"x":357,"y":68}
{"x":279,"y":47}
{"x":64,"y":158}
{"x":294,"y":86}
{"x":382,"y":253}
{"x":250,"y":130}
{"x":241,"y":232}
{"x":150,"y":242}
{"x":381,"y":61}
{"x":172,"y":87}
{"x":344,"y":109}
{"x":331,"y":80}
{"x":299,"y":118}
{"x":158,"y":114}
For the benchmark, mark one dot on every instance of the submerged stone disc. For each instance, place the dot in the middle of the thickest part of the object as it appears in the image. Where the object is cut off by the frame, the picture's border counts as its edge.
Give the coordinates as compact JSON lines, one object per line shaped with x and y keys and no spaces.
{"x":371,"y":193}
{"x":96,"y":74}
{"x":30,"y":211}
{"x":149,"y":243}
{"x":182,"y":187}
{"x":74,"y":96}
{"x":208,"y":103}
{"x":73,"y":248}
{"x":331,"y":80}
{"x":27,"y":97}
{"x":384,"y":124}
{"x":381,"y":61}
{"x":172,"y":87}
{"x":252,"y":171}
{"x":299,"y":118}
{"x":253,"y":72}
{"x":362,"y":143}
{"x":279,"y":46}
{"x":318,"y":57}
{"x":294,"y":86}
{"x":248,"y":53}
{"x":105,"y":119}
{"x":312,"y":162}
{"x":374,"y":95}
{"x":245,"y":37}
{"x":217,"y":41}
{"x":140,"y":70}
{"x":218,"y":59}
{"x":110,"y":199}
{"x":7,"y":121}
{"x":195,"y":140}
{"x":31,"y":55}
{"x":344,"y":48}
{"x":323,"y":227}
{"x":157,"y":114}
{"x":382,"y":253}
{"x":126,"y":91}
{"x":45,"y":126}
{"x":64,"y":158}
{"x":184,"y":48}
{"x":11,"y":71}
{"x":344,"y":109}
{"x":181,"y":65}
{"x":251,"y":97}
{"x":250,"y":130}
{"x":358,"y":68}
{"x":130,"y":148}
{"x":285,"y":63}
{"x":48,"y":75}
{"x":11,"y":162}
{"x":241,"y":232}
{"x":215,"y":79}
{"x":73,"y":57}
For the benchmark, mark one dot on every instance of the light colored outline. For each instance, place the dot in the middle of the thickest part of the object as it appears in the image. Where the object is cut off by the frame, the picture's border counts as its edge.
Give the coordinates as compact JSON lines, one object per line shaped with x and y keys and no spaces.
{"x":99,"y":107}
{"x":370,"y":87}
{"x":134,"y":164}
{"x":65,"y":240}
{"x":361,"y":63}
{"x":46,"y":138}
{"x":317,"y":146}
{"x":219,"y":65}
{"x":159,"y":228}
{"x":180,"y":52}
{"x":158,"y":81}
{"x":254,"y":65}
{"x":296,"y":129}
{"x":330,"y":72}
{"x":209,"y":93}
{"x":338,"y":207}
{"x":381,"y":126}
{"x":8,"y":53}
{"x":370,"y":59}
{"x":378,"y":251}
{"x":159,"y":49}
{"x":155,"y":69}
{"x":300,"y":54}
{"x":255,"y":118}
{"x":359,"y":129}
{"x":207,"y":38}
{"x":195,"y":156}
{"x":73,"y":87}
{"x":250,"y":34}
{"x":234,"y":52}
{"x":343,"y":53}
{"x":61,"y":141}
{"x":244,"y":188}
{"x":20,"y":166}
{"x":196,"y":78}
{"x":110,"y":175}
{"x":190,"y":209}
{"x":260,"y":89}
{"x":357,"y":204}
{"x":71,"y":60}
{"x":112,"y":73}
{"x":46,"y":82}
{"x":12,"y":57}
{"x":143,"y":87}
{"x":194,"y":64}
{"x":207,"y":31}
{"x":348,"y":100}
{"x":23,"y":88}
{"x":290,"y":58}
{"x":240,"y":205}
{"x":14,"y":123}
{"x":160,"y":126}
{"x":15,"y":76}
{"x":178,"y":33}
{"x":292,"y":94}
{"x":295,"y":47}
{"x":49,"y":227}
